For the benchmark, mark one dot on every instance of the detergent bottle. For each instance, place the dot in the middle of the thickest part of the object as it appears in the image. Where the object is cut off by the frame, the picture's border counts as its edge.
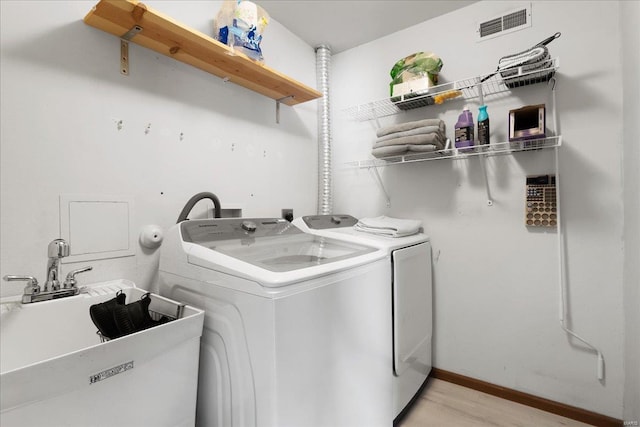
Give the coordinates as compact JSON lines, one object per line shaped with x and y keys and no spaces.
{"x":464,"y":129}
{"x":483,"y":126}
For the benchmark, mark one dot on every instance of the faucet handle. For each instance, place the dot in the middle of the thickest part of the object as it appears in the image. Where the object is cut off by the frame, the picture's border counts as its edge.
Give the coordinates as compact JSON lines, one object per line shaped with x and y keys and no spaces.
{"x":32,"y":283}
{"x":70,"y":281}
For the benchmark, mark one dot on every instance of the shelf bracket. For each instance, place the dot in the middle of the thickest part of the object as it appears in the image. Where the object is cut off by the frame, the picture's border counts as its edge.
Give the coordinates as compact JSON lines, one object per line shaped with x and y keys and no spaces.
{"x":483,"y":159}
{"x":124,"y":48}
{"x":480,"y":92}
{"x":278,"y":102}
{"x":381,"y":185}
{"x":375,"y":116}
{"x":552,"y":81}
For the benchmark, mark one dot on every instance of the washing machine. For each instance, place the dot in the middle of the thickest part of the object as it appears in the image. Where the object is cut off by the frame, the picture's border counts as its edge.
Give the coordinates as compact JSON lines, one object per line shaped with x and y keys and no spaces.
{"x":294,"y":329}
{"x":410,"y":282}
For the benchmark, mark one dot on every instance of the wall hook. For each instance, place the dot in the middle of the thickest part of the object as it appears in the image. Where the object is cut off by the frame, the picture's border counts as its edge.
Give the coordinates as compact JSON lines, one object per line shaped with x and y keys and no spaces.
{"x":147,"y":129}
{"x":181,"y":136}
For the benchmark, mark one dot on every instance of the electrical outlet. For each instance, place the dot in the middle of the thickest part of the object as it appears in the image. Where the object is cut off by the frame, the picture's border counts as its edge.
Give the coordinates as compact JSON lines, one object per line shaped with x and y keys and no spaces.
{"x":287,"y":214}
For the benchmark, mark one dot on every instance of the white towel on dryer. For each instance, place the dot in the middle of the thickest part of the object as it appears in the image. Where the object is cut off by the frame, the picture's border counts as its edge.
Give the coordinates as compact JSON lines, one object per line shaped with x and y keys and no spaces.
{"x":387,"y":226}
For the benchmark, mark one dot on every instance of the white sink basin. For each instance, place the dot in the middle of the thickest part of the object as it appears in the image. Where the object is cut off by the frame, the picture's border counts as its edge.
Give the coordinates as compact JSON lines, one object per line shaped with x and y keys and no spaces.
{"x":54,"y":369}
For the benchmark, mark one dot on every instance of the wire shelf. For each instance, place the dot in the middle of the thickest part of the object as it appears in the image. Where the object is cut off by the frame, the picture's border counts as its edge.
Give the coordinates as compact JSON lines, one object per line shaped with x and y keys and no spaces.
{"x":471,"y":88}
{"x":457,"y":154}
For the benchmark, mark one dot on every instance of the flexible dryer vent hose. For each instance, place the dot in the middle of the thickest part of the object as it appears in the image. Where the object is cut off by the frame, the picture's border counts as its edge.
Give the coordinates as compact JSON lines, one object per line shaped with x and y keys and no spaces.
{"x":184,"y":214}
{"x":323,"y":62}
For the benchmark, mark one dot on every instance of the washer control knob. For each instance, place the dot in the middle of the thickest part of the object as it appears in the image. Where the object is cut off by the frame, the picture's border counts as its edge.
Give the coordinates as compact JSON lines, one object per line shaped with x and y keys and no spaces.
{"x":249,"y":226}
{"x":336,"y":219}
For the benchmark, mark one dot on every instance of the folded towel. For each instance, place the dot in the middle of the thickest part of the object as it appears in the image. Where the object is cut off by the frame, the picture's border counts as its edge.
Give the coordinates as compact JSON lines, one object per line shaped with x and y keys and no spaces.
{"x":408,"y":126}
{"x":399,"y":150}
{"x":417,"y":131}
{"x":387,"y":226}
{"x":436,"y":139}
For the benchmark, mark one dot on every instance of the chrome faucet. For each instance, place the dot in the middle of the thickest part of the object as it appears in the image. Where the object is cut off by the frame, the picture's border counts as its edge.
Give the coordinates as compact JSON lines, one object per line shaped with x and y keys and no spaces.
{"x":57,"y":249}
{"x":33,"y":293}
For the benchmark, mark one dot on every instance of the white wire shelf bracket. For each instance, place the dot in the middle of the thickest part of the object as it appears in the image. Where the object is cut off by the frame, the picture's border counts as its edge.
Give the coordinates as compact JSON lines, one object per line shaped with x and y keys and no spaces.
{"x":497,"y":149}
{"x":470,"y":88}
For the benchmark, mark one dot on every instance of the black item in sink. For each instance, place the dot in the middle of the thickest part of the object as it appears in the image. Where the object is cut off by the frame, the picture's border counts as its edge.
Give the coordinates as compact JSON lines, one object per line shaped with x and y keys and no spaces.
{"x":115,"y":319}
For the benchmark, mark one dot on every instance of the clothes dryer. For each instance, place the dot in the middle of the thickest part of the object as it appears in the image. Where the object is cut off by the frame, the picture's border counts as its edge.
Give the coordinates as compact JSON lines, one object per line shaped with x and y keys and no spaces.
{"x":293,"y":334}
{"x":410,"y":281}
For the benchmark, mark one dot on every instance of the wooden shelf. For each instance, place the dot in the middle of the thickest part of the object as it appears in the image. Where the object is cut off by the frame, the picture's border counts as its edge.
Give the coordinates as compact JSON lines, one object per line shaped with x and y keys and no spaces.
{"x":168,"y":37}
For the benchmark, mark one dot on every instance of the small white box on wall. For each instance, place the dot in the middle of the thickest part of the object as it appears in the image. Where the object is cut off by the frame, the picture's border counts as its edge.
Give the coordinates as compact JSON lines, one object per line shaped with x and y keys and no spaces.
{"x":96,"y":226}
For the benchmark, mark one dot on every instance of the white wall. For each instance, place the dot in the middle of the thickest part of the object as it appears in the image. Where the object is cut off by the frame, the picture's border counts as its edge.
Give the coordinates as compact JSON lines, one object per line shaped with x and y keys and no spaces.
{"x":629,"y":18}
{"x":495,"y":281}
{"x":62,"y":95}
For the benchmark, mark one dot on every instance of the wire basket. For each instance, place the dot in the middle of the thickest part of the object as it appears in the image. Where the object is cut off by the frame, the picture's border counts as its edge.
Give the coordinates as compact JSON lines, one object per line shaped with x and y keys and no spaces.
{"x":157,"y":315}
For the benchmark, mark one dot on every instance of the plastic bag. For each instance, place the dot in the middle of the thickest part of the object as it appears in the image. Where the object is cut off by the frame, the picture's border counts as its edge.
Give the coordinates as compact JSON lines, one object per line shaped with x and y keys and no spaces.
{"x":240,"y":24}
{"x":416,"y":66}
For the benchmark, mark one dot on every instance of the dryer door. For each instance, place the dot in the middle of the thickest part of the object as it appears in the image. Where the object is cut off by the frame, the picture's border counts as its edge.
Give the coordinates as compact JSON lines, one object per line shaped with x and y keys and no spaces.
{"x":412,"y":308}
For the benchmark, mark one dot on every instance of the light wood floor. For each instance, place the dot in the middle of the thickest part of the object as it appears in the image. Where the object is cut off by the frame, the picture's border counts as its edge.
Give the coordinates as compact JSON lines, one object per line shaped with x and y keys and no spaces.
{"x":446,"y":404}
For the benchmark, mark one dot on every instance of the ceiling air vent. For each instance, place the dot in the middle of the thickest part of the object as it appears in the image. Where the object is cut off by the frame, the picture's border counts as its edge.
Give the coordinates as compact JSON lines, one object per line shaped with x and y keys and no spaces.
{"x":511,"y":21}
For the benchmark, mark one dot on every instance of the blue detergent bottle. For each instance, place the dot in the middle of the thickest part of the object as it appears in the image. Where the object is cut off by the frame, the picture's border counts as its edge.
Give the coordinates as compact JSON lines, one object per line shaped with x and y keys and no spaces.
{"x":464,"y":129}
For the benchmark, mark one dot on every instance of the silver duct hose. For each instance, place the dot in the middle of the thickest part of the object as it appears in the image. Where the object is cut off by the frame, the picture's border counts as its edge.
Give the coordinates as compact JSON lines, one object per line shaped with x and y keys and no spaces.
{"x":323,"y":61}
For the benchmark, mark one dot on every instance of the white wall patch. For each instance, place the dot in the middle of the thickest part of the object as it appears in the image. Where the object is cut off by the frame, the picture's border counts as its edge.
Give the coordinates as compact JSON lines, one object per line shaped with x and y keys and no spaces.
{"x":97,"y":226}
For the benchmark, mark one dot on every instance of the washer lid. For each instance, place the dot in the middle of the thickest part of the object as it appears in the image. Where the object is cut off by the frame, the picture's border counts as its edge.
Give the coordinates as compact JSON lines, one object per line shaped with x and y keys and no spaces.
{"x":271,"y":244}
